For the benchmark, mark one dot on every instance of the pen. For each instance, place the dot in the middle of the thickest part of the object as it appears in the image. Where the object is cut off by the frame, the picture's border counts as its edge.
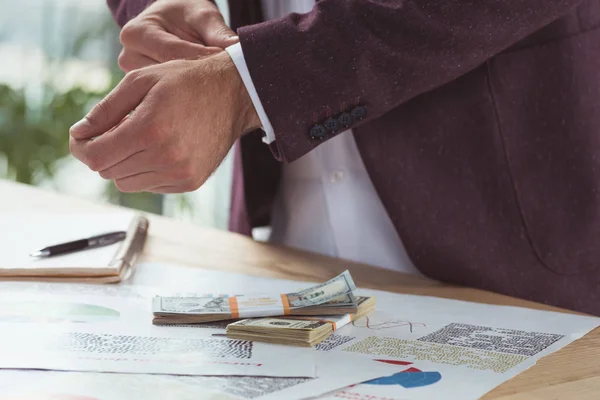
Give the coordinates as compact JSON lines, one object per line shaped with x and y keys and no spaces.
{"x":83,"y":244}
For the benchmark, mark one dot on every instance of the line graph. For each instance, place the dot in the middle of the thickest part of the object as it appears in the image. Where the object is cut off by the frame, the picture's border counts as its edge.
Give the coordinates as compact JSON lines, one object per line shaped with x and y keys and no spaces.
{"x":389,"y":324}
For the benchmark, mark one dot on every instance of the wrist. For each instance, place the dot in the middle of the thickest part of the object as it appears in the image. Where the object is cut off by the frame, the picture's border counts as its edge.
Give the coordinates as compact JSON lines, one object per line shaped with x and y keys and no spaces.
{"x":244,"y":113}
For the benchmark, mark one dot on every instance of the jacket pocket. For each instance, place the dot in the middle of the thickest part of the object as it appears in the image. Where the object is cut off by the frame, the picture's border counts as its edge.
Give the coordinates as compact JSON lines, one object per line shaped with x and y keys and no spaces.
{"x":548,"y":103}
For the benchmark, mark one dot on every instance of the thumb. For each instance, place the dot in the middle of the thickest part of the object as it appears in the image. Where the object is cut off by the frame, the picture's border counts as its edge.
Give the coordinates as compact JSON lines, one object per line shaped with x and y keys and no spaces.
{"x":217,"y":34}
{"x":111,"y":110}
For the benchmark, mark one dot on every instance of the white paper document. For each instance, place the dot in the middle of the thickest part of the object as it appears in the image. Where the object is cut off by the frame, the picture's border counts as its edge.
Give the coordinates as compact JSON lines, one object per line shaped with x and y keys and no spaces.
{"x":33,"y":231}
{"x":437,"y":347}
{"x":115,"y":334}
{"x":449,"y":349}
{"x":51,"y":385}
{"x":411,"y":347}
{"x":80,"y":330}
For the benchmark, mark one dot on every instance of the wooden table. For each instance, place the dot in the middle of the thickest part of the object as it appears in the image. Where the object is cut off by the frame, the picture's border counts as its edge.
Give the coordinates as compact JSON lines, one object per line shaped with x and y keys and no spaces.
{"x":571,"y":373}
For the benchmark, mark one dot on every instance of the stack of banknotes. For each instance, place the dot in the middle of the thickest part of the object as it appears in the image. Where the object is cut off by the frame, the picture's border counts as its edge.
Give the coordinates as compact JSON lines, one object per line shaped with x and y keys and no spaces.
{"x":296,"y":331}
{"x":332,"y":304}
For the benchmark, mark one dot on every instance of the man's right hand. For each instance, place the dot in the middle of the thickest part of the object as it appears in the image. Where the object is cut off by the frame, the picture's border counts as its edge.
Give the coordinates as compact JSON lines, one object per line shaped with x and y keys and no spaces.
{"x":174,"y":29}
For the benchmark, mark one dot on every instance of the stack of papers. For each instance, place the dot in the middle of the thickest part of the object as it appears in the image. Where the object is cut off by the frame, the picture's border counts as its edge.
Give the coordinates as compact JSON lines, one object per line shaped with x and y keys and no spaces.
{"x":410,"y":347}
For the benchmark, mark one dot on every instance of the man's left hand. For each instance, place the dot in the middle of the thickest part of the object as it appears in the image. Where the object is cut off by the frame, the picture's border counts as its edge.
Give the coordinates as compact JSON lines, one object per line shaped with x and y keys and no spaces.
{"x":167,"y":127}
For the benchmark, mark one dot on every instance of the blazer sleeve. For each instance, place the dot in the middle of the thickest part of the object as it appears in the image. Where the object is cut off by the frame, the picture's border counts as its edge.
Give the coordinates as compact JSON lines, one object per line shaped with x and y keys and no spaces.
{"x":125,"y":10}
{"x":374,"y":54}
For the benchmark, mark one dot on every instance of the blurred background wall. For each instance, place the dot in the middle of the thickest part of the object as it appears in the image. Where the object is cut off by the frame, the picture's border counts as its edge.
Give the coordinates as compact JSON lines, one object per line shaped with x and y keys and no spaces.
{"x":57,"y":59}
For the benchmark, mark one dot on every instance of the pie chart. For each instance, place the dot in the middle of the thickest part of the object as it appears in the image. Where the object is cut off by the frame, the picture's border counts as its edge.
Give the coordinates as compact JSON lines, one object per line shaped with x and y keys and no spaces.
{"x":408,"y":379}
{"x":55,"y":312}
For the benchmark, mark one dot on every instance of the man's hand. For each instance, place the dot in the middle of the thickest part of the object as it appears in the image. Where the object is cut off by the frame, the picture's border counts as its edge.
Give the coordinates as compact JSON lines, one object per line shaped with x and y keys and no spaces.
{"x":174,"y":29}
{"x":186,"y":116}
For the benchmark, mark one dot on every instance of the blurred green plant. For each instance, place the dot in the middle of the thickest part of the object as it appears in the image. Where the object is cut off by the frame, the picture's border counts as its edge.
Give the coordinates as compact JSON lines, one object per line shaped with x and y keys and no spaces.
{"x":32,"y":142}
{"x":34,"y":130}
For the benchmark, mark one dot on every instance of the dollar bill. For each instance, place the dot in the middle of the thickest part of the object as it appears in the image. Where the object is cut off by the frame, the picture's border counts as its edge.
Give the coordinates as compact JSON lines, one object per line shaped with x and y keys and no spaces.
{"x":283,"y":330}
{"x":347,"y":300}
{"x":323,"y":293}
{"x":335,"y":294}
{"x":278,"y":323}
{"x":295,"y":330}
{"x":192,"y":305}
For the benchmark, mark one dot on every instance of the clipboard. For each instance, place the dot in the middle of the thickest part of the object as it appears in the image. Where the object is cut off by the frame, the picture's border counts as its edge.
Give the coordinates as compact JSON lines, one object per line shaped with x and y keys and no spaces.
{"x":22,"y":233}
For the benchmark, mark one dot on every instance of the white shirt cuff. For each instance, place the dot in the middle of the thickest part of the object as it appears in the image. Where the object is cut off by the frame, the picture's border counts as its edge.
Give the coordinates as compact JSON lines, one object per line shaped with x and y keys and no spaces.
{"x":237,"y":55}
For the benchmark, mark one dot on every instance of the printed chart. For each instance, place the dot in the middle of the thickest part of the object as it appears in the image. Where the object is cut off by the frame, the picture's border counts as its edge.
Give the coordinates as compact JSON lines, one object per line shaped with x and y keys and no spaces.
{"x":411,"y":347}
{"x":184,"y":352}
{"x":54,"y":312}
{"x":409,"y":378}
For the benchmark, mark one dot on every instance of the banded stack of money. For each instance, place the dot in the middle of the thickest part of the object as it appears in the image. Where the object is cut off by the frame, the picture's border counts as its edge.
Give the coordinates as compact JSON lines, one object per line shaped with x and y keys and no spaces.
{"x":296,"y":331}
{"x":332,"y":297}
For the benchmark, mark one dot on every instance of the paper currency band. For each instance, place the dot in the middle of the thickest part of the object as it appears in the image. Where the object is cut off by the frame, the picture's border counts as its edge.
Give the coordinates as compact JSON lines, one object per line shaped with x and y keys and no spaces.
{"x":286,"y":304}
{"x":233,"y":306}
{"x":341,"y":322}
{"x":262,"y":306}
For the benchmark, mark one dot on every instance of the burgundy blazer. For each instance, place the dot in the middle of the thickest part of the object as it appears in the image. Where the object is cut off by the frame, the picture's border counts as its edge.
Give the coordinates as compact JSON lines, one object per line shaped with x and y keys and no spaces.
{"x":478,"y":124}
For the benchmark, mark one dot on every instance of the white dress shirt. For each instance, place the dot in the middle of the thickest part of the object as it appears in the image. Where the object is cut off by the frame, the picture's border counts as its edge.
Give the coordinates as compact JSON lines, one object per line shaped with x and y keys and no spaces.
{"x":326,"y":202}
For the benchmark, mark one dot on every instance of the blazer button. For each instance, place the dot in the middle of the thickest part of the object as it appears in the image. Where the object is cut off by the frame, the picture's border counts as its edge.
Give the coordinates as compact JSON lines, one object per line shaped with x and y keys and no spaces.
{"x":346,"y":119}
{"x":332,"y":124}
{"x":359,"y":112}
{"x":318,"y":132}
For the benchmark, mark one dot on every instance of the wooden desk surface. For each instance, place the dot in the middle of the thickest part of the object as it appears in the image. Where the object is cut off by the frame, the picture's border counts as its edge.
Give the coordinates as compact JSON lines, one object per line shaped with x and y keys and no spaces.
{"x":571,"y":373}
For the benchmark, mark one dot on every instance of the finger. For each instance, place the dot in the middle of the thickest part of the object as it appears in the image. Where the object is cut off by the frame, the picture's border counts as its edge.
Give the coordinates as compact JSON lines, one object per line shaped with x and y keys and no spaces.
{"x":215,"y":32}
{"x":130,"y":60}
{"x":140,"y":162}
{"x":112,"y":147}
{"x":145,"y":181}
{"x":162,"y":46}
{"x":114,"y":107}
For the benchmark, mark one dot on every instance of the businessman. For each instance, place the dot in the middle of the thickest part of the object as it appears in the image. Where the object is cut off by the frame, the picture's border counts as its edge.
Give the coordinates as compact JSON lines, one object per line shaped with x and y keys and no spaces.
{"x":453,"y":138}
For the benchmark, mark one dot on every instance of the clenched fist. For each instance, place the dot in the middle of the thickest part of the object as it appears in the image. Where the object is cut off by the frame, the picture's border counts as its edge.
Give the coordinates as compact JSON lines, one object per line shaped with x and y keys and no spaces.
{"x":174,"y":29}
{"x":167,"y":127}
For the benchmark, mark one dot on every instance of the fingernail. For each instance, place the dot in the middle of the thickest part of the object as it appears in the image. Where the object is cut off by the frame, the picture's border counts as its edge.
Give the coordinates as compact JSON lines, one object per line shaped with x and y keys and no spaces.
{"x":80,"y":128}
